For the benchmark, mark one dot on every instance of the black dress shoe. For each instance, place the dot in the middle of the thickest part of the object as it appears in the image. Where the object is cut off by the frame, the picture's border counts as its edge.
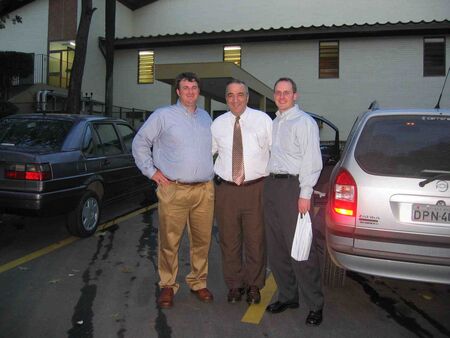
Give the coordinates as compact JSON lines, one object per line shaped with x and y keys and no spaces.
{"x":314,"y":318}
{"x":278,"y":306}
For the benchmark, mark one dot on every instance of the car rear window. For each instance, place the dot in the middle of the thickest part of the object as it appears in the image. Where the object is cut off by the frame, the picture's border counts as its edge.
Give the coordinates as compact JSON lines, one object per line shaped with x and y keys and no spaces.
{"x":42,"y":135}
{"x":404,"y":146}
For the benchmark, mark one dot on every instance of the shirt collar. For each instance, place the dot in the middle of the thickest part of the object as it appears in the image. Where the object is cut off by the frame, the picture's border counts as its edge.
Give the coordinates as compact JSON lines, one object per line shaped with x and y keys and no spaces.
{"x":184,"y":109}
{"x":244,"y":115}
{"x":287,"y":113}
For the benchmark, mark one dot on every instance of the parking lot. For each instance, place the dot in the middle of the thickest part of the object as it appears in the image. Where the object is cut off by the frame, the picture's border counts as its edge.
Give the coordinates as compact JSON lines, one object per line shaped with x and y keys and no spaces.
{"x":53,"y":285}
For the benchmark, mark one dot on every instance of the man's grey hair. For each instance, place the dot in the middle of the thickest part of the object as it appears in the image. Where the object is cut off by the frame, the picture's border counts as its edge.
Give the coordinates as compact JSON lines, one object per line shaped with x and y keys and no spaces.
{"x":236,"y":81}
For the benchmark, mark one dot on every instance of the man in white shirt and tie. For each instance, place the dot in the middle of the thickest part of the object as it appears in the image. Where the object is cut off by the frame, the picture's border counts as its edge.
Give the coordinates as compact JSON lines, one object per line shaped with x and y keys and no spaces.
{"x":241,"y":139}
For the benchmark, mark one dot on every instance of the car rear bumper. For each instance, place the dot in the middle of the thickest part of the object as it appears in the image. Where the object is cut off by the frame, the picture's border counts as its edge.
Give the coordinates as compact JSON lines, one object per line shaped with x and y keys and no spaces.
{"x":392,"y":268}
{"x":404,"y":263}
{"x":51,"y":203}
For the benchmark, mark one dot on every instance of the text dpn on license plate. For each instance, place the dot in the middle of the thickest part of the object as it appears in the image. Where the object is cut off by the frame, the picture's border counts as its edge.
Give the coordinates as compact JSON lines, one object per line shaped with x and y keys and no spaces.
{"x":431,"y":213}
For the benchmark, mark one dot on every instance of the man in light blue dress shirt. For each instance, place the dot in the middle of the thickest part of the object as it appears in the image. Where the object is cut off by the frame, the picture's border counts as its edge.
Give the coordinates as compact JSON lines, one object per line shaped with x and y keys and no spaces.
{"x":295,"y":165}
{"x":173,"y":148}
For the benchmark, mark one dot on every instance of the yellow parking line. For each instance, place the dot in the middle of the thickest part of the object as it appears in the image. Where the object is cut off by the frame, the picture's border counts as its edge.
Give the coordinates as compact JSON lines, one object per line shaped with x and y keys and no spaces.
{"x":67,"y":241}
{"x":256,"y":311}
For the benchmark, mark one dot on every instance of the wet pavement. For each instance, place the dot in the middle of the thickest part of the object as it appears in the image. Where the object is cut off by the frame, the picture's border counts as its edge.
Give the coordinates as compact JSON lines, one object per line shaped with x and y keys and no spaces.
{"x":106,"y":286}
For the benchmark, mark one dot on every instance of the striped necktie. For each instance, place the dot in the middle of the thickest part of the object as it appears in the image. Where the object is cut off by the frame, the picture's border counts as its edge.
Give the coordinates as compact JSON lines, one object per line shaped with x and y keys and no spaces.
{"x":238,"y":154}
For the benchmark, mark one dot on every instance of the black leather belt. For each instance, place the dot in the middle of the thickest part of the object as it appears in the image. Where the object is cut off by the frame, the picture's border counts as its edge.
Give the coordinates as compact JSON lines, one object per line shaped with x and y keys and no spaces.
{"x":273,"y":175}
{"x":219,"y":180}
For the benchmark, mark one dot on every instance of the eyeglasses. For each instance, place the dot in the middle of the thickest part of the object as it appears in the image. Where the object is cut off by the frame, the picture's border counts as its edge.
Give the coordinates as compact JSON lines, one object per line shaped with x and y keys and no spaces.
{"x":285,"y":93}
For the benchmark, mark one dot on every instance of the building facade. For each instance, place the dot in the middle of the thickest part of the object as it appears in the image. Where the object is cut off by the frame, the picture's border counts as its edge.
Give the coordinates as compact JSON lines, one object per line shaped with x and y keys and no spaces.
{"x":343,"y":56}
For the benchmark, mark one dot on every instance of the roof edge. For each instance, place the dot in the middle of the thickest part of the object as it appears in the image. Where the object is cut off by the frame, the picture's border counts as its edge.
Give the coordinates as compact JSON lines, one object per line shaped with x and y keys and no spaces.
{"x":290,"y":33}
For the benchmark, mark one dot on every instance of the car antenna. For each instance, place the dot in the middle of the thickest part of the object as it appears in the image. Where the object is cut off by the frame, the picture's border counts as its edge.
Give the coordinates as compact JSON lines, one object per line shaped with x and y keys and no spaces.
{"x":373,"y":105}
{"x":437,"y":106}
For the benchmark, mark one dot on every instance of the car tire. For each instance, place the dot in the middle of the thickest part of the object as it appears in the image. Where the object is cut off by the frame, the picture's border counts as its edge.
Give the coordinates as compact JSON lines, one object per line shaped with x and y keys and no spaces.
{"x":333,"y":275}
{"x":83,"y":220}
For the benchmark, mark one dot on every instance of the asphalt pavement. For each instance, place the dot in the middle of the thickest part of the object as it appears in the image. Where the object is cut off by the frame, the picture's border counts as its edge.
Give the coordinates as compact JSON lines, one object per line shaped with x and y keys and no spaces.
{"x":53,"y":285}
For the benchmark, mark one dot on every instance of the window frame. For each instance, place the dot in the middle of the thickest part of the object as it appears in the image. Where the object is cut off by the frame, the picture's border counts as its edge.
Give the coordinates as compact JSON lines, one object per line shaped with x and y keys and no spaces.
{"x":232,"y":48}
{"x":336,"y":74}
{"x":140,"y":76}
{"x":426,"y":63}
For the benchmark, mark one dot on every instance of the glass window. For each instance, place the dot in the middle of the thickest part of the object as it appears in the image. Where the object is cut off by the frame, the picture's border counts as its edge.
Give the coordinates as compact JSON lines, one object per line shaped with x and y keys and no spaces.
{"x":328,"y":59}
{"x":146,"y":66}
{"x":91,"y":144}
{"x":108,"y":138}
{"x":127,"y":134}
{"x":232,"y":54}
{"x":404,"y":146}
{"x":46,"y":135}
{"x":434,"y":57}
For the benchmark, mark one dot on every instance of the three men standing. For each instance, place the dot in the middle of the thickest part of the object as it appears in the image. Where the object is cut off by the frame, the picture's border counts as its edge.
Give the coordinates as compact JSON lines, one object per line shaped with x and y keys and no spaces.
{"x":174,"y":148}
{"x":241,"y":138}
{"x":295,"y":165}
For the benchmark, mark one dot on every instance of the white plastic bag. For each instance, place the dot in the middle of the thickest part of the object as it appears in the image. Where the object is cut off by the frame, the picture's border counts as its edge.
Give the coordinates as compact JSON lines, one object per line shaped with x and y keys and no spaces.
{"x":302,"y":238}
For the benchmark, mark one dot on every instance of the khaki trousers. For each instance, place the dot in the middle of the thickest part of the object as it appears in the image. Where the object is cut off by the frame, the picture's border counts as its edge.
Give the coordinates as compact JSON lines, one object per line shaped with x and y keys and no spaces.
{"x":181,"y":204}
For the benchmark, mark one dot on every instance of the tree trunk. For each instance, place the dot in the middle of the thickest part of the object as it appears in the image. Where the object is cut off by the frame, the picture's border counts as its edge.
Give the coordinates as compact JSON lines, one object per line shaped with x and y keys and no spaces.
{"x":73,"y":103}
{"x":110,"y":31}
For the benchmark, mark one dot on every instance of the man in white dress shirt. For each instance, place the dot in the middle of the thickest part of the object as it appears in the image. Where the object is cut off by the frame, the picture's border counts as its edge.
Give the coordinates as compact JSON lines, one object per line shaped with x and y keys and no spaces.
{"x":295,"y":165}
{"x":239,"y":201}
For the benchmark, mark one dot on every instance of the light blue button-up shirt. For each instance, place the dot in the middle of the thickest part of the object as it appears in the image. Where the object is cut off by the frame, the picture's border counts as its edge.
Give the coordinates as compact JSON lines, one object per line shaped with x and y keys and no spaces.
{"x":176,"y":142}
{"x":296,"y":148}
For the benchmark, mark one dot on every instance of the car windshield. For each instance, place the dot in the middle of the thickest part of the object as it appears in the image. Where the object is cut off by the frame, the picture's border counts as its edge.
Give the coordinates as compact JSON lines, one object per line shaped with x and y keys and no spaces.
{"x":41,"y":135}
{"x":405,"y":146}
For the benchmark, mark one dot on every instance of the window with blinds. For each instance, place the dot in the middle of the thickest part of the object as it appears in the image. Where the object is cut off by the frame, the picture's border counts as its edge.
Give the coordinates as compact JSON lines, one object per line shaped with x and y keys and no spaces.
{"x":232,"y":54}
{"x":328,"y":59}
{"x":434,"y":56}
{"x":146,"y":66}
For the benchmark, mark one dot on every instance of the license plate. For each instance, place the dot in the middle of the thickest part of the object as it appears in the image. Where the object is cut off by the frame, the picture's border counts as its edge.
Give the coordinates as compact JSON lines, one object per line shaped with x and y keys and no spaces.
{"x":431,"y":213}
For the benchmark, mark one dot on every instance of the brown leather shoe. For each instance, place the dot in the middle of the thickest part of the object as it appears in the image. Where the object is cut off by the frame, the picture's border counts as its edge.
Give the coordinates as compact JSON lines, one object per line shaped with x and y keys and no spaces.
{"x":204,"y":295}
{"x":253,"y":295}
{"x":165,"y":299}
{"x":235,"y":295}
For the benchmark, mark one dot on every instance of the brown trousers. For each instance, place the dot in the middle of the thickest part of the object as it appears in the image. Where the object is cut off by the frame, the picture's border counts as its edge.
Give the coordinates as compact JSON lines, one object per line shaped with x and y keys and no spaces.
{"x":239,"y":214}
{"x":181,"y":204}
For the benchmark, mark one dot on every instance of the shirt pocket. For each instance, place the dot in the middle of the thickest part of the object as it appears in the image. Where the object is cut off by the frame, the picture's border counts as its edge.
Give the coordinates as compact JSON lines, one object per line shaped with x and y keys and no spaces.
{"x":257,"y":140}
{"x":288,"y":141}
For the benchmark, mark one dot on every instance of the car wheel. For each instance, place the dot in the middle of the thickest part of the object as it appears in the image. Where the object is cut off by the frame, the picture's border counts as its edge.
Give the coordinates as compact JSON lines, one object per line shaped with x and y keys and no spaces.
{"x":333,"y":275}
{"x":83,"y":221}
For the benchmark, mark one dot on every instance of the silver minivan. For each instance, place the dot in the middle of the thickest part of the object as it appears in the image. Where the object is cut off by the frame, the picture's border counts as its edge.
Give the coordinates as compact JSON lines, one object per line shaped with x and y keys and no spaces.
{"x":389,"y":208}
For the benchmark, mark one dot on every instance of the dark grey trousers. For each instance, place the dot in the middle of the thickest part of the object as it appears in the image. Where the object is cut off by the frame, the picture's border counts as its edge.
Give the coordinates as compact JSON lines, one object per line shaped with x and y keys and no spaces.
{"x":280,"y":217}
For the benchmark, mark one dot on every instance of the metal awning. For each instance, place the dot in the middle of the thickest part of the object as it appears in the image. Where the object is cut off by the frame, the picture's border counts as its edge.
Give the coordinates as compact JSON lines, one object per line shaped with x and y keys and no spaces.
{"x":214,"y":77}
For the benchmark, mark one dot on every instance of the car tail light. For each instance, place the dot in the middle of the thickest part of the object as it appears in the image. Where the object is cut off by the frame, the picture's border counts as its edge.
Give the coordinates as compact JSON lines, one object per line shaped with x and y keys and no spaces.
{"x":28,"y":172}
{"x":344,"y":194}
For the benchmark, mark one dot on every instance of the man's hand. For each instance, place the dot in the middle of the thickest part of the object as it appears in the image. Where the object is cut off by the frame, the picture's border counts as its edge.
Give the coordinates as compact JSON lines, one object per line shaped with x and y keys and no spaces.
{"x":304,"y":205}
{"x":159,"y":178}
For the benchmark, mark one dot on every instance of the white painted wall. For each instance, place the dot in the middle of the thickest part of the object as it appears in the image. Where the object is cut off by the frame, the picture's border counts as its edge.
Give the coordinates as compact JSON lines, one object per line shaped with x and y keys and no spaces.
{"x":128,"y":93}
{"x":124,"y":20}
{"x":31,"y":35}
{"x":182,"y":16}
{"x":388,"y":70}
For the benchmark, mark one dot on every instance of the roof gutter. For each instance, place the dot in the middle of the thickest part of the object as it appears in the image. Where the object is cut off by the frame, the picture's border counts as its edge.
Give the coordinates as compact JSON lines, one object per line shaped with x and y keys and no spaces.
{"x":285,"y":34}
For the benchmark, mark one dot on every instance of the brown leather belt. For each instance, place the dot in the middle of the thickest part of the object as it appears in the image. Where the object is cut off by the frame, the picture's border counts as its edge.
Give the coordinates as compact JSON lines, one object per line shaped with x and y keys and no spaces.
{"x":189,"y":183}
{"x":245,"y":183}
